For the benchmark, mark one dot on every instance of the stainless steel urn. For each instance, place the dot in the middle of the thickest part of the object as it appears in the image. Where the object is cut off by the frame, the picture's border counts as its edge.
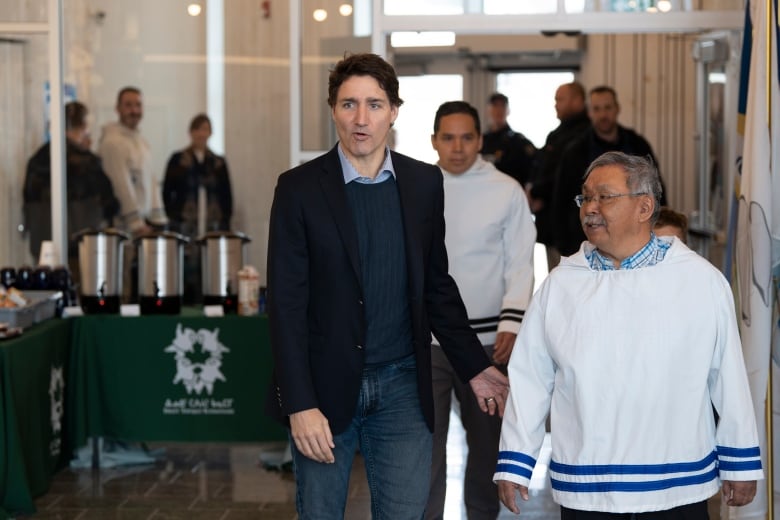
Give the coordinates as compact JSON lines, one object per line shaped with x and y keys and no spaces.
{"x":160,"y":272}
{"x":222,"y":255}
{"x":100,"y":266}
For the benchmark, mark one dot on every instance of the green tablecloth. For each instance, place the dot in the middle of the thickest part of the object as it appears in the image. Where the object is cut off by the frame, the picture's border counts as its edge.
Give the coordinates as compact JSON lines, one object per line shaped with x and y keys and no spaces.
{"x":171,"y":378}
{"x":33,"y":413}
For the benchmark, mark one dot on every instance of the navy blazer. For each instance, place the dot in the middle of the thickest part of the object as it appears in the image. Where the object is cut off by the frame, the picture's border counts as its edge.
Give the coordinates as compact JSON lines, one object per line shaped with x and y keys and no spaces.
{"x":315,"y":295}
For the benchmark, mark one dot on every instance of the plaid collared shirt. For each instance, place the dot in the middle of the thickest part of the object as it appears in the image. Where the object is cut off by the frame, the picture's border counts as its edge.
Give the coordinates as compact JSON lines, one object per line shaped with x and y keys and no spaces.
{"x":652,"y":253}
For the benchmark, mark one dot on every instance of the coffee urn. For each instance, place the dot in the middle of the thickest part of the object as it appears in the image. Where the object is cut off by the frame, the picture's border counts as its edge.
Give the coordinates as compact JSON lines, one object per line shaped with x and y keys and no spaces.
{"x":160,"y":272}
{"x":222,"y":255}
{"x":100,"y":269}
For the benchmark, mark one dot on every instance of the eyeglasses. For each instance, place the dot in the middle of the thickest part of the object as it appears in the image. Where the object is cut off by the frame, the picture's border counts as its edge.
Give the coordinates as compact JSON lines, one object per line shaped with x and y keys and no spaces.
{"x":603,"y":198}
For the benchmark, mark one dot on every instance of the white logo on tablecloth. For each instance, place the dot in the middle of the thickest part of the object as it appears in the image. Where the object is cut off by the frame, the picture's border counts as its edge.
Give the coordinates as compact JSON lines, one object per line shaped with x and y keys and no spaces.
{"x":197,"y":376}
{"x":56,"y":400}
{"x":198,"y":355}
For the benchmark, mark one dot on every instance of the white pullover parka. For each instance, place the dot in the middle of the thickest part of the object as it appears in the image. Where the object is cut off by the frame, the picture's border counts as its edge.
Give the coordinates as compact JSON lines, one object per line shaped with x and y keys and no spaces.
{"x":630,"y":363}
{"x":490,"y":245}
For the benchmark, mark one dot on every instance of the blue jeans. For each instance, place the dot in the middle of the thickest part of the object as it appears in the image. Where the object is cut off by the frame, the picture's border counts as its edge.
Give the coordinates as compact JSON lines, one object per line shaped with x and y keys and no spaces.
{"x":395,"y":442}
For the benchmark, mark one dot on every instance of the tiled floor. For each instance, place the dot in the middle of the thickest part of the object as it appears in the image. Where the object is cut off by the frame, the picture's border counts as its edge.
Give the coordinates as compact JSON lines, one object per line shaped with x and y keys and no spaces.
{"x":226,"y":482}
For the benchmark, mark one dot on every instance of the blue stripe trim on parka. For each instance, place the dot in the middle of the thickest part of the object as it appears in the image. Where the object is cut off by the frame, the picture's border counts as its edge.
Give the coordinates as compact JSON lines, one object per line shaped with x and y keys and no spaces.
{"x":652,"y":485}
{"x":747,"y":465}
{"x":524,"y":464}
{"x":633,"y":469}
{"x":755,"y":451}
{"x":517,"y":457}
{"x":514,"y":469}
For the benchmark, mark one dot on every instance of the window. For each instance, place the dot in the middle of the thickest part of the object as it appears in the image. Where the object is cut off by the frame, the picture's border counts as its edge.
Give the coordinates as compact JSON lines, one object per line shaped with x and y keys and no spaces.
{"x":532,"y":101}
{"x":422,"y":95}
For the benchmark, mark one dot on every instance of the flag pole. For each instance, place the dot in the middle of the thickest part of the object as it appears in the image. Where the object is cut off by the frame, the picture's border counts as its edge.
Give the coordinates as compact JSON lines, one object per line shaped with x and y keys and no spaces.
{"x":770,"y":16}
{"x":770,"y":502}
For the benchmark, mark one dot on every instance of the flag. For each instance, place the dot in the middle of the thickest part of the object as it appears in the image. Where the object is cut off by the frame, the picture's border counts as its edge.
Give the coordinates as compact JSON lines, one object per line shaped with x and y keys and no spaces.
{"x":758,"y":211}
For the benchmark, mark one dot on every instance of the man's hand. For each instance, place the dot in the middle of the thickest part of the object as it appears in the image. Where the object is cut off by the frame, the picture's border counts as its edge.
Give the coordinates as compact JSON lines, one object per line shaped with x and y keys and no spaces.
{"x":738,"y":493}
{"x":141,"y":231}
{"x":491,"y":388}
{"x":503,"y":347}
{"x":506,"y":492}
{"x":312,"y":435}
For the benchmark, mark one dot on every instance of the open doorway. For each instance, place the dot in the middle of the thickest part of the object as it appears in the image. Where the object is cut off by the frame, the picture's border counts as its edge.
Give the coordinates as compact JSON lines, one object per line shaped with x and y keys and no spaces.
{"x":532,"y":101}
{"x":422,"y":95}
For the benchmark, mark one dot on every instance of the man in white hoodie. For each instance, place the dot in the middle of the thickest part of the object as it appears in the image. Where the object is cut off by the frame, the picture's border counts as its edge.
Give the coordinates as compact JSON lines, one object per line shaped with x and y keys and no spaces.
{"x":125,"y":155}
{"x":629,"y":343}
{"x":490,"y":241}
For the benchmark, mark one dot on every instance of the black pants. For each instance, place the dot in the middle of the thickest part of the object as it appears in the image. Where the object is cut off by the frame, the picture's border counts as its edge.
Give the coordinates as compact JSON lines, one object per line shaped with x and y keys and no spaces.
{"x":697,"y":511}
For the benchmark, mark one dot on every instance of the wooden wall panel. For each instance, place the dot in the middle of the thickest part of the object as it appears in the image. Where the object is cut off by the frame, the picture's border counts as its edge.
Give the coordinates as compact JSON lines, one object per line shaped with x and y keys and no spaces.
{"x":654,"y":76}
{"x":13,"y":156}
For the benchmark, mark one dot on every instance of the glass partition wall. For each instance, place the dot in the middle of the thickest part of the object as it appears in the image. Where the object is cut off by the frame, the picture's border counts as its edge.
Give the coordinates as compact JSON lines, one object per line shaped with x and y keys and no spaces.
{"x":259,"y":69}
{"x":187,"y":58}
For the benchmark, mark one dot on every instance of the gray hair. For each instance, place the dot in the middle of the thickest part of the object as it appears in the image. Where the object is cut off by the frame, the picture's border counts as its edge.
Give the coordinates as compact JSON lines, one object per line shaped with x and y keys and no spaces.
{"x":641,"y":175}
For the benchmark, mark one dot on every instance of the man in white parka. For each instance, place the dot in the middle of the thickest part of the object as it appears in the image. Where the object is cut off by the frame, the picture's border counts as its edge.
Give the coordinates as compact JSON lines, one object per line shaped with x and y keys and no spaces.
{"x":628,"y":344}
{"x":490,"y":242}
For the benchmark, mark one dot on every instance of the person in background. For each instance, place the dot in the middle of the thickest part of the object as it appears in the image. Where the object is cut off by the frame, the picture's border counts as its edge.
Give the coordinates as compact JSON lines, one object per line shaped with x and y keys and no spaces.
{"x":633,"y":433}
{"x":125,"y":155}
{"x":570,"y":110}
{"x":490,"y":242}
{"x":357,"y":281}
{"x":90,"y":198}
{"x":510,"y":151}
{"x":671,"y":223}
{"x":197,"y":198}
{"x":605,"y":134}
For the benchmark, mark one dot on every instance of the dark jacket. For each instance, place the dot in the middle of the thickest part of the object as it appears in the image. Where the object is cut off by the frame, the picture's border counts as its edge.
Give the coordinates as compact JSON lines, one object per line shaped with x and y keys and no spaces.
{"x":183,"y":177}
{"x":90,"y":197}
{"x":315,"y":294}
{"x":511,"y":152}
{"x":547,"y":164}
{"x":574,"y":162}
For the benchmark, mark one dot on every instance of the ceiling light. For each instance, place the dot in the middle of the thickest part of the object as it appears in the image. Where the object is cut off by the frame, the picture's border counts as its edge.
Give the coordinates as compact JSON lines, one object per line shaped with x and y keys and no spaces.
{"x":193,"y":9}
{"x":320,"y":15}
{"x":345,"y":9}
{"x":664,"y":6}
{"x":422,"y":39}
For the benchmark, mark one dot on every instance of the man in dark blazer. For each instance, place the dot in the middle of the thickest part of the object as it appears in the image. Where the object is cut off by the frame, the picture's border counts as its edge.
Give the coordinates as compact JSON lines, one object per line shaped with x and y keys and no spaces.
{"x":357,"y":282}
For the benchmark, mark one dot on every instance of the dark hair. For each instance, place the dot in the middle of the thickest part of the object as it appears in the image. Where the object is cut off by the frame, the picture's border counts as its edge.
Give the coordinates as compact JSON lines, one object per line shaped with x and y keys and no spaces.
{"x":604,"y":89}
{"x":456,"y":107}
{"x":641,"y":175}
{"x":670,"y":217}
{"x":75,"y":115}
{"x":364,"y":64}
{"x":498,"y":97}
{"x":198,"y":121}
{"x":125,"y":90}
